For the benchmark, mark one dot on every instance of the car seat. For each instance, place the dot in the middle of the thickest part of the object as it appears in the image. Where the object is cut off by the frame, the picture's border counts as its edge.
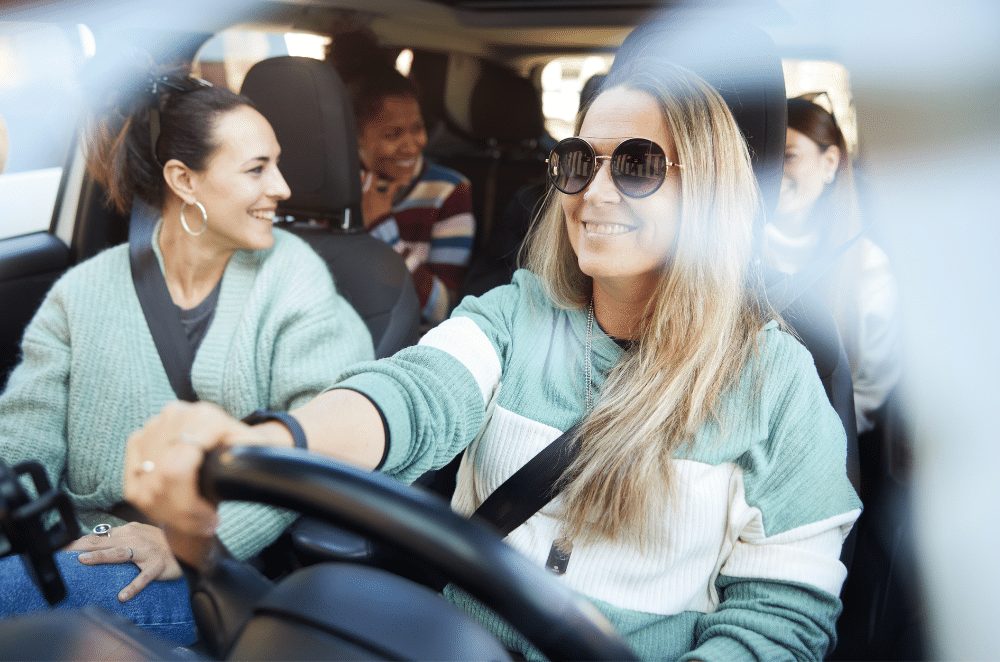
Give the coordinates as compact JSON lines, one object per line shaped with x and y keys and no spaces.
{"x":505,"y":143}
{"x":310,"y":111}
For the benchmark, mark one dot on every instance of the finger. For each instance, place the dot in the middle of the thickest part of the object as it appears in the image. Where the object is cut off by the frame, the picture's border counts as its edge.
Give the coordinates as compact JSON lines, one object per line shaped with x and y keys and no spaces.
{"x":89,"y":543}
{"x":141,"y":581}
{"x":104,"y":556}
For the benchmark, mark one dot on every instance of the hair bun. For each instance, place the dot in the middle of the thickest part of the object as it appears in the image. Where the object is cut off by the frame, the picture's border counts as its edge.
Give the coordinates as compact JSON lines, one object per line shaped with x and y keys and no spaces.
{"x":355,"y":53}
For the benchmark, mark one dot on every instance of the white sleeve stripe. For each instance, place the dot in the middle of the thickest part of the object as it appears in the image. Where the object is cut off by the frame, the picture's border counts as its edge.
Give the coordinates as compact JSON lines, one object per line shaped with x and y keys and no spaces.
{"x":464,"y":340}
{"x":808,"y":554}
{"x":814,"y":562}
{"x":843,"y":521}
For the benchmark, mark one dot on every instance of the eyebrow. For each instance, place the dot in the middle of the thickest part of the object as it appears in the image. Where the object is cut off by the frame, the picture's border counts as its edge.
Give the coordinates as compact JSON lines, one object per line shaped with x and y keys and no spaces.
{"x":257,"y":159}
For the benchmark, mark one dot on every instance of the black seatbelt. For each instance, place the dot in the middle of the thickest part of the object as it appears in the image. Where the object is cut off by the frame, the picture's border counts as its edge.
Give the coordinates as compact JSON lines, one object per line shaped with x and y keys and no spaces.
{"x":787,"y":289}
{"x":162,"y":318}
{"x":531,"y":487}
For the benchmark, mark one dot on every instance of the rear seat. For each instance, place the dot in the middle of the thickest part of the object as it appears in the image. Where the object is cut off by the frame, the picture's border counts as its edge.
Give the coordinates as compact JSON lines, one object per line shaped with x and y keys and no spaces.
{"x":505,"y":143}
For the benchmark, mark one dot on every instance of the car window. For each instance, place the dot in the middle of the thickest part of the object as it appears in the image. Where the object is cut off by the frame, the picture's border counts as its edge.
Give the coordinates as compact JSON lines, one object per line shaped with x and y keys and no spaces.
{"x":563,"y":79}
{"x":226,"y":58}
{"x":39,"y":103}
{"x":829,"y":85}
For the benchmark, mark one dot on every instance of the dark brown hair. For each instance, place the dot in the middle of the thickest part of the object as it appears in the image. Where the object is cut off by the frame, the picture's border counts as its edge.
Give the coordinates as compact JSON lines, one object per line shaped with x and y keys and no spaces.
{"x":369,"y":75}
{"x":119,"y":150}
{"x":812,"y":121}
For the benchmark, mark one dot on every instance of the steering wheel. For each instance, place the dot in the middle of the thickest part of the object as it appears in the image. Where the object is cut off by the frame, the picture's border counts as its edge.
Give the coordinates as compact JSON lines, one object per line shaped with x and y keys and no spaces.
{"x":560,"y":622}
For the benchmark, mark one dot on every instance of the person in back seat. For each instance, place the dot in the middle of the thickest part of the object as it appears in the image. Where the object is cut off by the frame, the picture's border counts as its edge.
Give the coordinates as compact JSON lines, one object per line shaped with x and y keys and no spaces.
{"x":708,"y":500}
{"x":421,"y":209}
{"x":817,"y":211}
{"x":259,"y":312}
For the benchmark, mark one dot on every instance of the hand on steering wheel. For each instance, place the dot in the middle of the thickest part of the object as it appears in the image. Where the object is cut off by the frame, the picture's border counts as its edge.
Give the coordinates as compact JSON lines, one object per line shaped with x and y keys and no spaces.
{"x":162,"y":461}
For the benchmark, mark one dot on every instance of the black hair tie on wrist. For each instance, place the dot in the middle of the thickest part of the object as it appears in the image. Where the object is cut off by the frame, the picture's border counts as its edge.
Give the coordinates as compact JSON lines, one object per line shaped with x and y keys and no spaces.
{"x":264,"y":415}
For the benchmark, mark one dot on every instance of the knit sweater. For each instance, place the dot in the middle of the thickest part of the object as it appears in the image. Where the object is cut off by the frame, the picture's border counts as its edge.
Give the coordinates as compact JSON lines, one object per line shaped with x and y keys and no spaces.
{"x":762,"y":504}
{"x":90,"y":373}
{"x":432,"y":227}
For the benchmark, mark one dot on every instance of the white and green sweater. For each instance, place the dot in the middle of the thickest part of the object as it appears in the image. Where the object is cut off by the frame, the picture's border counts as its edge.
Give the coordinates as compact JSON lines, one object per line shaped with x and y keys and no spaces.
{"x":90,"y":374}
{"x":751,"y":567}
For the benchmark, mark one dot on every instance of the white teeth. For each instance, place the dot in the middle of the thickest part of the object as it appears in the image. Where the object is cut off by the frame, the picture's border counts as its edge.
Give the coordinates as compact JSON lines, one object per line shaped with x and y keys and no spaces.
{"x":262,"y":215}
{"x":606,"y":228}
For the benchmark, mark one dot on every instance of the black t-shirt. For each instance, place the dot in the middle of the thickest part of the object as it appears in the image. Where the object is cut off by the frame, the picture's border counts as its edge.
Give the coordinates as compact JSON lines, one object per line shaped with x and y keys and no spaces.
{"x":196,"y":321}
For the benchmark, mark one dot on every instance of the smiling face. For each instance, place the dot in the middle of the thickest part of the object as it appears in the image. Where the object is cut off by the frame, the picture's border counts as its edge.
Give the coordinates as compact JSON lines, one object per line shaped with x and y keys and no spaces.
{"x":240,"y":186}
{"x":391,"y":143}
{"x":621,"y":242}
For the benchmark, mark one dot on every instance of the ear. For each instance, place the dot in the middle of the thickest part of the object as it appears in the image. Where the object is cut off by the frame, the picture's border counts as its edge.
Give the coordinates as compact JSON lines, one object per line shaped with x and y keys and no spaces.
{"x":181,"y":180}
{"x":831,"y":161}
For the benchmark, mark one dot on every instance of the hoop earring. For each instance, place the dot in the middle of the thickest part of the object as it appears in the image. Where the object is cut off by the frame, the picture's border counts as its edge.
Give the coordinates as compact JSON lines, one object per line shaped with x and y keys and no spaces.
{"x":204,"y":216}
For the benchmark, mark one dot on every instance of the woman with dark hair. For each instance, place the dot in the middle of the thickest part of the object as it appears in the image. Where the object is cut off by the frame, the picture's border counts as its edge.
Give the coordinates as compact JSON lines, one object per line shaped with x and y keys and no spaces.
{"x":818,"y":211}
{"x":707,"y":503}
{"x":421,"y":209}
{"x":263,"y":322}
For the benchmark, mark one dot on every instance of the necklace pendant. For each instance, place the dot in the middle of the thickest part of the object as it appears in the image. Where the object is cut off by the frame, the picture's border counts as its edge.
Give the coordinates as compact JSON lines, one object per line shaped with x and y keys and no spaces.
{"x":559,"y":555}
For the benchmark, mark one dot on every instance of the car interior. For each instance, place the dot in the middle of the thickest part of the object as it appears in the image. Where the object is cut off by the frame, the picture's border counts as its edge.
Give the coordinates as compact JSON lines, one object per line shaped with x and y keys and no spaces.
{"x":483,"y":69}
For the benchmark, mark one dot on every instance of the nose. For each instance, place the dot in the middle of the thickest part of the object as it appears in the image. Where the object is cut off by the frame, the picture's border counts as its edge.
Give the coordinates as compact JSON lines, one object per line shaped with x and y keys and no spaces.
{"x":602,"y":189}
{"x":278,"y":188}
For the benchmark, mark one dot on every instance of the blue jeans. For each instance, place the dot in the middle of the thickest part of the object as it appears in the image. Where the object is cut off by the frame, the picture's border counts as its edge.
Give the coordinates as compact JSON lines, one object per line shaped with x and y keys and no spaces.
{"x":162,"y":608}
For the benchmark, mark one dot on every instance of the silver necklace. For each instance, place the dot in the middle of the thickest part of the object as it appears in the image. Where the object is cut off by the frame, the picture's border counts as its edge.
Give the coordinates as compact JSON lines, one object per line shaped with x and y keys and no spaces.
{"x":587,"y":361}
{"x":561,"y":549}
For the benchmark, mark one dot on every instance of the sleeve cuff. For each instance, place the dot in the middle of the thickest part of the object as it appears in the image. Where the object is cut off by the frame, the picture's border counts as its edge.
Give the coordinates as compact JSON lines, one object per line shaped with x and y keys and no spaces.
{"x":385,"y":427}
{"x":719,"y":649}
{"x":385,"y":394}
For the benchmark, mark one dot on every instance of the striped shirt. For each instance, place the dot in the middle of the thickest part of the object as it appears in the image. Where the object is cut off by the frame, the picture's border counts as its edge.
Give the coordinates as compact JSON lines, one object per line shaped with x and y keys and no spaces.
{"x":432,"y":227}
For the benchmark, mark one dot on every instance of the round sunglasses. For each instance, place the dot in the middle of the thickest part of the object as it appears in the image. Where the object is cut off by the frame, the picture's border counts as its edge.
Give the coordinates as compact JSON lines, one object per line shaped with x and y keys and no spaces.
{"x":638,"y":166}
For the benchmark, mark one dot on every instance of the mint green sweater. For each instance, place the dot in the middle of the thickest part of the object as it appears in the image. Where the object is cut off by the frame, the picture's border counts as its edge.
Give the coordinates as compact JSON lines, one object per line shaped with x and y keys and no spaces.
{"x":90,"y":373}
{"x":750,"y":567}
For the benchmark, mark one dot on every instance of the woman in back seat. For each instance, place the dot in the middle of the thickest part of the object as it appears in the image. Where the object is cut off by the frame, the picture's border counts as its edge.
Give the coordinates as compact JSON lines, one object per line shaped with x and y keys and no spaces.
{"x":817,"y":211}
{"x":421,"y":209}
{"x":263,"y":322}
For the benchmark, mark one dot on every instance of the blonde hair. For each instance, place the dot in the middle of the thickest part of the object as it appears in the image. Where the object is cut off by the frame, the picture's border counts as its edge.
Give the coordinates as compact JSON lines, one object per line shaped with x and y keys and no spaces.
{"x":698,"y":328}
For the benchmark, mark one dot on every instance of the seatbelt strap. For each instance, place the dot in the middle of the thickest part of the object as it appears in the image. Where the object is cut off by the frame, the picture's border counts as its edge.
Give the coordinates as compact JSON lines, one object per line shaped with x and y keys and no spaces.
{"x":531,"y":487}
{"x":162,"y":318}
{"x":783,"y":292}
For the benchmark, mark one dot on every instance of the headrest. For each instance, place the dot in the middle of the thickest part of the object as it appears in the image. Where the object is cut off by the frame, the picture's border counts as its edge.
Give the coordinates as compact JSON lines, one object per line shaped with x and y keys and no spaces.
{"x":310,"y":111}
{"x":505,"y":106}
{"x":742,"y":63}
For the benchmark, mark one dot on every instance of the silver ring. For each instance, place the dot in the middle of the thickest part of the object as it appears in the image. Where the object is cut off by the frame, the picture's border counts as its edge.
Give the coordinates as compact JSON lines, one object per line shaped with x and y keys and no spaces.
{"x":148,"y":466}
{"x":103,"y":530}
{"x":131,"y":554}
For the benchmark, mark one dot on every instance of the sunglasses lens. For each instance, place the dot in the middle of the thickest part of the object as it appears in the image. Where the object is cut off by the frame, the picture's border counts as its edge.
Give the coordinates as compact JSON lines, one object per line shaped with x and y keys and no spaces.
{"x":571,"y":165}
{"x":638,"y":167}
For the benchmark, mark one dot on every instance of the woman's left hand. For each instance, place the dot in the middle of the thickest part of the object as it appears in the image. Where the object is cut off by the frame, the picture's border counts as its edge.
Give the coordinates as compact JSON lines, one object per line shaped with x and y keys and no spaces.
{"x":144,"y":545}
